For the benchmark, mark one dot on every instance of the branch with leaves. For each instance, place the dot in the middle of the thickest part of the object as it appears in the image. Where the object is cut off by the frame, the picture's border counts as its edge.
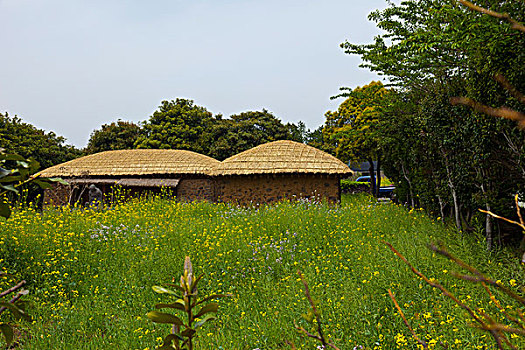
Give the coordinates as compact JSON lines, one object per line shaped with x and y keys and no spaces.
{"x":315,"y":312}
{"x":483,"y":320}
{"x":501,"y":112}
{"x":187,"y":300}
{"x":21,"y":172}
{"x":504,"y":16}
{"x":15,"y":306}
{"x":16,"y":172}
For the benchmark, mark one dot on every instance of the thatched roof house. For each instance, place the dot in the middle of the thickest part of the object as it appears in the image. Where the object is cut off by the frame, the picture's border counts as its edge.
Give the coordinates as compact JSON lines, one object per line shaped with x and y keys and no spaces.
{"x":186,"y":172}
{"x":278,"y":170}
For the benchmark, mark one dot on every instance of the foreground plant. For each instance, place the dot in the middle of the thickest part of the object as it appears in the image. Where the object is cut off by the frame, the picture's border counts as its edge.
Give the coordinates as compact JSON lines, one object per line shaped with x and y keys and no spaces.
{"x":510,"y":323}
{"x":14,"y":305}
{"x":313,"y":313}
{"x":187,"y":301}
{"x":16,"y":172}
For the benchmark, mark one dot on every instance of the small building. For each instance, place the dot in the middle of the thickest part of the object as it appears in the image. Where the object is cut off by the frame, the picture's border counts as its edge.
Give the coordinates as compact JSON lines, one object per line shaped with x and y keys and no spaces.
{"x":186,"y":173}
{"x":279,"y":170}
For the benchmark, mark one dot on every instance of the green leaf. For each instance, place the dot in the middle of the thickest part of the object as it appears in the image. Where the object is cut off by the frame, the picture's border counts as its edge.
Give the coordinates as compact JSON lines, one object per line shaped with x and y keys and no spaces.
{"x":202,"y":321}
{"x":5,"y":210}
{"x":171,"y":337}
{"x":4,"y":172}
{"x":176,"y":286}
{"x":17,"y":312}
{"x":33,"y":165}
{"x":22,"y":164}
{"x":42,"y":184}
{"x":22,"y":304}
{"x":9,"y":188}
{"x":211,"y":307}
{"x":196,"y":281}
{"x":162,"y":290}
{"x":24,"y":173}
{"x":161,"y":317}
{"x":58,"y":179}
{"x":11,"y":178}
{"x":176,"y":305}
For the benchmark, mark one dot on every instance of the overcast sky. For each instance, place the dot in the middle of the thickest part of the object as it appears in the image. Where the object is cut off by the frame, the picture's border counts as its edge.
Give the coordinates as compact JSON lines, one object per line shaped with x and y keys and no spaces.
{"x":71,"y":66}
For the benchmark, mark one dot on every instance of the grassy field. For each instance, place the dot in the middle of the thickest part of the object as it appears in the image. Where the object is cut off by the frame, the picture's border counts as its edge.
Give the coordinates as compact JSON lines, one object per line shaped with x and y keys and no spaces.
{"x":90,"y":274}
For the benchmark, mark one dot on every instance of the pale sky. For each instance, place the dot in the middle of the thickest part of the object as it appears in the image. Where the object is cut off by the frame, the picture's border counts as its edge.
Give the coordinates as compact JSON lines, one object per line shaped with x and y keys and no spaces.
{"x":70,"y":66}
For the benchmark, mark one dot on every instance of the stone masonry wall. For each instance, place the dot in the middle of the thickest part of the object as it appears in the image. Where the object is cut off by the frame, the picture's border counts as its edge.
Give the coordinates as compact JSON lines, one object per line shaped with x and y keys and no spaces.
{"x":196,"y":189}
{"x":272,"y":188}
{"x":57,"y":195}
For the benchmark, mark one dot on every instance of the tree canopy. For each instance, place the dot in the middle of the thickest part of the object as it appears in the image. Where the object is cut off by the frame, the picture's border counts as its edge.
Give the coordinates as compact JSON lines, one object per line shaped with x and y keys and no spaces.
{"x":181,"y":124}
{"x":114,"y":136}
{"x":246,"y":130}
{"x":449,"y":159}
{"x":178,"y":124}
{"x":28,"y":141}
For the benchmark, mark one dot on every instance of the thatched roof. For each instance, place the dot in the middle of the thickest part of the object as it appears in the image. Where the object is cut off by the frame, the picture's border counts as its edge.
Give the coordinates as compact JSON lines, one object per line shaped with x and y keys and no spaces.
{"x":133,"y":182}
{"x":282,"y":157}
{"x":135,"y":162}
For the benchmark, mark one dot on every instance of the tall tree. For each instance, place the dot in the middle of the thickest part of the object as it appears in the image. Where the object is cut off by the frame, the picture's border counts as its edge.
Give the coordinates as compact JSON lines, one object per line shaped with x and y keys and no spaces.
{"x":178,"y":124}
{"x":352,"y":130}
{"x":17,"y":136}
{"x":114,"y":136}
{"x":446,"y":158}
{"x":244,"y":131}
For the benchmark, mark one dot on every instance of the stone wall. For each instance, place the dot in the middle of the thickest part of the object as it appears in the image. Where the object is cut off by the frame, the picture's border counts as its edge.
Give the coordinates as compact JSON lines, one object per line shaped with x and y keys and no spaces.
{"x":273,"y":188}
{"x":188,"y":189}
{"x":238,"y":189}
{"x":57,"y":195}
{"x":196,"y":189}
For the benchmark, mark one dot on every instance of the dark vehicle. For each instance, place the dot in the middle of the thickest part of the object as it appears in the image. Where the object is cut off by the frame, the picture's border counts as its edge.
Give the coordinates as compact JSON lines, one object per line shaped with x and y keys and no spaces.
{"x":363,"y":179}
{"x":384,"y":191}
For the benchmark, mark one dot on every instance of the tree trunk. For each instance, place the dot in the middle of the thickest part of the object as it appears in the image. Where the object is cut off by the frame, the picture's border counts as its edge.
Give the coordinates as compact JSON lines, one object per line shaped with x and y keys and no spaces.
{"x":454,"y":196}
{"x":456,"y":206}
{"x":378,"y":176}
{"x":488,"y":228}
{"x":372,"y":177}
{"x":441,"y":209}
{"x":454,"y":193}
{"x":489,"y":236}
{"x":409,"y":185}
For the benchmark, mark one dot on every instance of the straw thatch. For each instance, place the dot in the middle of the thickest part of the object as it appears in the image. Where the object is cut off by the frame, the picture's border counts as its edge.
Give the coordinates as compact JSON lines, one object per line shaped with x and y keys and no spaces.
{"x":282,"y":157}
{"x":131,"y":182}
{"x":135,"y":162}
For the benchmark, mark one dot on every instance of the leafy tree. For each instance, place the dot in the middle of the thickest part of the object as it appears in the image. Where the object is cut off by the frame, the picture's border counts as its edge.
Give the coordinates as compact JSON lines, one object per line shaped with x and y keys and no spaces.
{"x":315,"y":139}
{"x":177,"y":124}
{"x":114,"y":136}
{"x":246,"y":130}
{"x":299,"y":132}
{"x":26,"y":140}
{"x":352,"y":130}
{"x":446,"y":158}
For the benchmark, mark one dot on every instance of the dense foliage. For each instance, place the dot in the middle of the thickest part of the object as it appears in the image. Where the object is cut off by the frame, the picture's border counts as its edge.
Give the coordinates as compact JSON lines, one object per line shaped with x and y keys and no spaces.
{"x":244,"y":131}
{"x":181,"y":124}
{"x":114,"y":136}
{"x":26,"y":140}
{"x":448,"y":159}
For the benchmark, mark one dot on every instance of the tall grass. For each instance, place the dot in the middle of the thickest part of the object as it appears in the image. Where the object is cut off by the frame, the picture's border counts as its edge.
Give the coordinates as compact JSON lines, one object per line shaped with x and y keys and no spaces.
{"x":90,"y":273}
